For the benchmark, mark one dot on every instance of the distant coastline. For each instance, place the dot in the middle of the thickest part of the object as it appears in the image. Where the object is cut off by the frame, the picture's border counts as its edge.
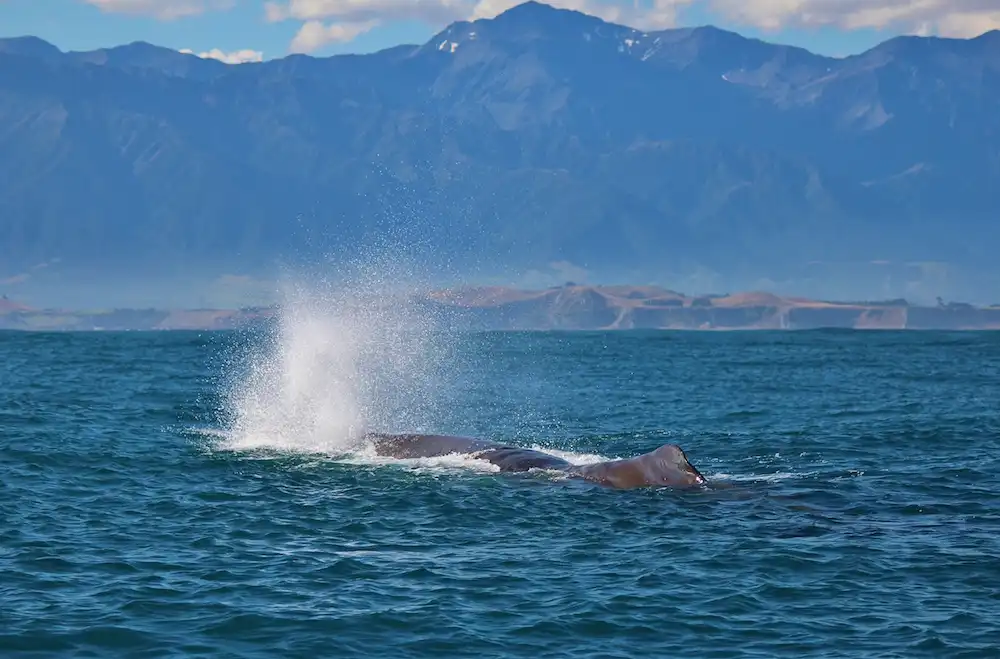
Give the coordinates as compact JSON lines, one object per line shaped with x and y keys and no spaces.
{"x":568,"y":307}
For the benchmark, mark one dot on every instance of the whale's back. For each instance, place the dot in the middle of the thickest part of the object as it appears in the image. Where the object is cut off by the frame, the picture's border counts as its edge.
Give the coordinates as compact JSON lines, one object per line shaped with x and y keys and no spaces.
{"x":666,"y":466}
{"x":507,"y":458}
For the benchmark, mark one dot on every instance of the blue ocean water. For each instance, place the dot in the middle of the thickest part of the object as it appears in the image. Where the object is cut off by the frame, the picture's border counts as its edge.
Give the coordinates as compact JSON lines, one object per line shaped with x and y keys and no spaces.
{"x":181,"y":495}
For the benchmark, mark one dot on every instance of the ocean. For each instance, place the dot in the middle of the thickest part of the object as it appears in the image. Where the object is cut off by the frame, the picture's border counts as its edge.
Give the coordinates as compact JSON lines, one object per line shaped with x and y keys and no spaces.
{"x":174,"y":494}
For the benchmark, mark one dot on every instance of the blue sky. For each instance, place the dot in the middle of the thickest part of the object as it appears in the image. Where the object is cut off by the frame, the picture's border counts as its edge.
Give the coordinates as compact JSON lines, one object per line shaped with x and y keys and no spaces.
{"x":251,"y":29}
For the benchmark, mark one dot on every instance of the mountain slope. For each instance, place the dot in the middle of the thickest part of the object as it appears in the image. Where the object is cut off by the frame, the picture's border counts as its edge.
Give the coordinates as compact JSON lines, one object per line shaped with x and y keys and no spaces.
{"x":501,"y":145}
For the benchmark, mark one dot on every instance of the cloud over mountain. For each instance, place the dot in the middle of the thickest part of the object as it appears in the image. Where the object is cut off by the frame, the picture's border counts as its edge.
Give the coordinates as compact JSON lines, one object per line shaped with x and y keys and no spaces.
{"x":322,"y":22}
{"x":233,"y":57}
{"x":161,"y":9}
{"x":952,"y":18}
{"x":342,"y":20}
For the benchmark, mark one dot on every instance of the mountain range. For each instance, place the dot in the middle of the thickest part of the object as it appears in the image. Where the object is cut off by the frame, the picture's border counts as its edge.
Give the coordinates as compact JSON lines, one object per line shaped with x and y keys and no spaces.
{"x":543,"y":140}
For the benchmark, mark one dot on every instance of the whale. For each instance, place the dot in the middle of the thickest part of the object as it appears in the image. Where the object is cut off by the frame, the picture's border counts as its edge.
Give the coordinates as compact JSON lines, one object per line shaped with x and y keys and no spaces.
{"x":666,"y":466}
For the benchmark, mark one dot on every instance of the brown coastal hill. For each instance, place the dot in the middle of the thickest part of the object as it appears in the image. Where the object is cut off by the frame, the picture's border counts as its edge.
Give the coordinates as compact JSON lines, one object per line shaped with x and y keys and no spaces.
{"x":569,"y":307}
{"x":635,"y":307}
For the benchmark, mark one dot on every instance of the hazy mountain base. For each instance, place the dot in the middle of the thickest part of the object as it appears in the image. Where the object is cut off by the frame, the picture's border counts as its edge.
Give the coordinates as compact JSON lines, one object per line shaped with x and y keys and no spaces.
{"x":55,"y":286}
{"x":505,"y":145}
{"x":563,"y":308}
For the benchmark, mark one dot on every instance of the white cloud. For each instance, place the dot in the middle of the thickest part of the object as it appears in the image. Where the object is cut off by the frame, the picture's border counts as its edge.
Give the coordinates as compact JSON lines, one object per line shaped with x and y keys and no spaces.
{"x":234,"y":57}
{"x":360,"y":11}
{"x":328,"y":21}
{"x":313,"y":35}
{"x":643,"y":14}
{"x":954,"y":18}
{"x":338,"y":21}
{"x":275,"y":12}
{"x":162,"y":9}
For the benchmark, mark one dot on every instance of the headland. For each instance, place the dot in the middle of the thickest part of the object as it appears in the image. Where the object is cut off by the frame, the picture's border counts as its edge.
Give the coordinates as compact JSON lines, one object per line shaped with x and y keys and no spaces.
{"x":568,"y":307}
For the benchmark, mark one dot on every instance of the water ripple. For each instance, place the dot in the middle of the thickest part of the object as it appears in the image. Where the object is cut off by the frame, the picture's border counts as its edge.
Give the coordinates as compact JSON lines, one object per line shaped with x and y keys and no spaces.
{"x":860,"y":516}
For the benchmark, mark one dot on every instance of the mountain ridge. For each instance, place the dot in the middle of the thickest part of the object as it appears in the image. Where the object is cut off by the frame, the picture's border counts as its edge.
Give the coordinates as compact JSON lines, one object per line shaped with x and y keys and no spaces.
{"x":496,"y":148}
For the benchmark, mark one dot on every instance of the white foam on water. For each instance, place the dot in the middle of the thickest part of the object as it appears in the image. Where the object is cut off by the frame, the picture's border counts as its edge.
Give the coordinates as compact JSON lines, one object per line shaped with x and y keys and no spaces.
{"x":365,"y":455}
{"x":571,"y":457}
{"x":748,"y":478}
